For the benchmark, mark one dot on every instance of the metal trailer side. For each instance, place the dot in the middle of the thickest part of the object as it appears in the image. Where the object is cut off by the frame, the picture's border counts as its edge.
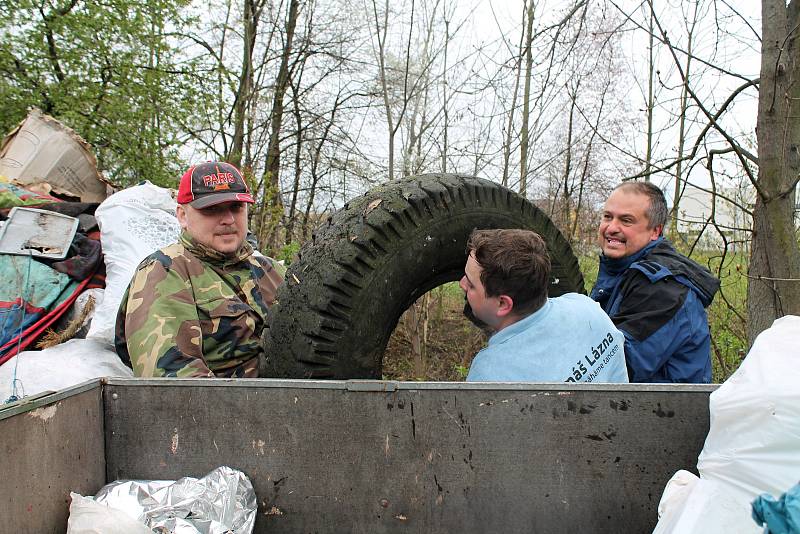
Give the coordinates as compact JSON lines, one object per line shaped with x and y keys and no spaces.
{"x":48,"y":447}
{"x":369,"y":456}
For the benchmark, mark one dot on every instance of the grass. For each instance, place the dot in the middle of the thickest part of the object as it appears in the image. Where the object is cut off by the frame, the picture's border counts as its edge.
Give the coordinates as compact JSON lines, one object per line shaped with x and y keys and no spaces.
{"x":727,"y":315}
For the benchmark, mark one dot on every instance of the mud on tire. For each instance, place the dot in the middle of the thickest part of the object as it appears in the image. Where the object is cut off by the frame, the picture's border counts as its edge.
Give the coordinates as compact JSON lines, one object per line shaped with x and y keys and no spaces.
{"x":363,"y":268}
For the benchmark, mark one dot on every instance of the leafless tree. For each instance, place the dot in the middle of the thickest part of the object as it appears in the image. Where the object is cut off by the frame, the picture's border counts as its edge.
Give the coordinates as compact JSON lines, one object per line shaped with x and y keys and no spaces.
{"x":774,"y":289}
{"x":774,"y":266}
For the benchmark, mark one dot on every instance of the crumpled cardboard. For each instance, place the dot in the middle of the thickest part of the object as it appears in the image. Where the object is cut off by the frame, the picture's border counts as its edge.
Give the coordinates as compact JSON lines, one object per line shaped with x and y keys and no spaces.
{"x":41,"y":149}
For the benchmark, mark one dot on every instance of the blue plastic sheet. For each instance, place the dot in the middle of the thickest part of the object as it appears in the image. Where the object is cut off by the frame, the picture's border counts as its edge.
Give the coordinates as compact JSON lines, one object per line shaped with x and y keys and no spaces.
{"x":28,"y":289}
{"x":782,"y":515}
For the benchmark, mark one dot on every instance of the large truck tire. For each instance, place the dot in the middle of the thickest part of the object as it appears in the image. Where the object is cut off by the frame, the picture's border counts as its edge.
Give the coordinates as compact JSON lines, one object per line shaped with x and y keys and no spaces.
{"x":372,"y":259}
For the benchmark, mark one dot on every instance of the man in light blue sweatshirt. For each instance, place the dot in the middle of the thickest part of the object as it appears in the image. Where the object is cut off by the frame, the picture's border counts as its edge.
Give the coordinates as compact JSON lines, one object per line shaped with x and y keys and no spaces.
{"x":537,"y":339}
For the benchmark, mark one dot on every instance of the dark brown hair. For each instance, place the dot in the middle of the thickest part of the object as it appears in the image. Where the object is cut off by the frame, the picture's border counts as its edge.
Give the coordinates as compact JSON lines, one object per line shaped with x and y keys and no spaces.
{"x":515,"y":263}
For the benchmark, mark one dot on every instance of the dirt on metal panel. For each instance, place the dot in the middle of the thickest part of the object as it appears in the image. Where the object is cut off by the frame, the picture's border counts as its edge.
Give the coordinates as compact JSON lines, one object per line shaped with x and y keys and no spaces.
{"x":427,"y":460}
{"x":46,"y":453}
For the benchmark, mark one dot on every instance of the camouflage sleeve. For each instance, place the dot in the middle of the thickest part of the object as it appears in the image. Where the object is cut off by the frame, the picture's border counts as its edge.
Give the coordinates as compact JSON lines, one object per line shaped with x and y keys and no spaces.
{"x":162,"y":328}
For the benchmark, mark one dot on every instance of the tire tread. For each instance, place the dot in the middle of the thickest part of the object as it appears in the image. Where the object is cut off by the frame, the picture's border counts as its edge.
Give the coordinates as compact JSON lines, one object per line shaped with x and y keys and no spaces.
{"x":354,"y":252}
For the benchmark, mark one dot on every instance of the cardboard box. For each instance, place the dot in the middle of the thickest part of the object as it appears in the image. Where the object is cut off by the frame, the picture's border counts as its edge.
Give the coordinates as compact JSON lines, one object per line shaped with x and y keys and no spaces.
{"x":41,"y":149}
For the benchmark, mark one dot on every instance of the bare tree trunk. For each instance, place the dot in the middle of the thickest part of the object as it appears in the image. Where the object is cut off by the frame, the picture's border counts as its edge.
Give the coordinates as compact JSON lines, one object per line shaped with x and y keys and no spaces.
{"x":444,"y":93}
{"x":581,"y":186}
{"x":774,"y":289}
{"x":298,"y":168}
{"x":512,"y":111}
{"x":565,"y":200}
{"x":252,"y":12}
{"x":650,"y":103}
{"x":315,"y":170}
{"x":679,"y":179}
{"x":586,"y":160}
{"x":381,"y":35}
{"x":271,"y":202}
{"x":526,"y":106}
{"x":418,"y":319}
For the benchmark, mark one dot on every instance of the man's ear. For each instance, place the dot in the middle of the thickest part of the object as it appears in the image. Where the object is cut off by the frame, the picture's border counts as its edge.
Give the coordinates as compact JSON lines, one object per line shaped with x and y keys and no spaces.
{"x":180,"y":213}
{"x":656,"y":232}
{"x":505,"y":305}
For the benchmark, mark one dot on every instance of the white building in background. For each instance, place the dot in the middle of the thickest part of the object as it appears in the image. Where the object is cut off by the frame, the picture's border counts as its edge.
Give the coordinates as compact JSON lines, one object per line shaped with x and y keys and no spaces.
{"x":730,"y":222}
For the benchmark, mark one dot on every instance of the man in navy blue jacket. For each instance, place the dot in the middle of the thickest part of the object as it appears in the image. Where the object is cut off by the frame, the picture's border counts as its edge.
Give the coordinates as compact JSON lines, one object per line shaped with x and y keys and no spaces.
{"x":654,"y":295}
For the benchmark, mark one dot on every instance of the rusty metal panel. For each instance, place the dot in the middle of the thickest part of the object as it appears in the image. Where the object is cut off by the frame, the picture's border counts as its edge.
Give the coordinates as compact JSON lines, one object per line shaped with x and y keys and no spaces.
{"x":378,"y":457}
{"x":49,"y":447}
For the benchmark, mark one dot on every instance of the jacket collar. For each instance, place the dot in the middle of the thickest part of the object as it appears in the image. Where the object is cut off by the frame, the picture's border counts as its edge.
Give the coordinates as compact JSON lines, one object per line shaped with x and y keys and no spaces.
{"x":212,"y":256}
{"x":617,"y":265}
{"x":662,"y":252}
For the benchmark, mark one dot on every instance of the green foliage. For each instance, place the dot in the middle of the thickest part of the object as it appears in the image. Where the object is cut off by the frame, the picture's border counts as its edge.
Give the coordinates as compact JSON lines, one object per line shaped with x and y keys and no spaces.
{"x":108,"y":70}
{"x":266,"y":216}
{"x":588,"y":266}
{"x":449,"y":290}
{"x":461,"y":370}
{"x":727,"y":315}
{"x":288,"y":252}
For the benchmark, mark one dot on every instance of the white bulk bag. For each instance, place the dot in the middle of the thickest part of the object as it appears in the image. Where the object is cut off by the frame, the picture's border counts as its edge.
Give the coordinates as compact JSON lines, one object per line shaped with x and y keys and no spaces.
{"x":134,"y":223}
{"x":753,"y":444}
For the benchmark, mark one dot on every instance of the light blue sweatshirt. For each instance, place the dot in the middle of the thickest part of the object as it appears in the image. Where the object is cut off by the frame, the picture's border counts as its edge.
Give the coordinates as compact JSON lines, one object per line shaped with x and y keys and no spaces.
{"x":569,"y":339}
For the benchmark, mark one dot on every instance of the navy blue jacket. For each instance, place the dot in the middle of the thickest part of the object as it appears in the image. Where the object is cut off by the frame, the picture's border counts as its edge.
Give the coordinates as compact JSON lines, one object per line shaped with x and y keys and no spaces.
{"x":657,"y":298}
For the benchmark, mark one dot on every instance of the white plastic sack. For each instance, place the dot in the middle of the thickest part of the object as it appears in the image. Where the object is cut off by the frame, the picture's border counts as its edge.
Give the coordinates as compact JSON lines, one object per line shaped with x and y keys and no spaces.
{"x":89,"y":517}
{"x":59,"y":367}
{"x":753,"y":444}
{"x":691,"y":504}
{"x":134,"y":223}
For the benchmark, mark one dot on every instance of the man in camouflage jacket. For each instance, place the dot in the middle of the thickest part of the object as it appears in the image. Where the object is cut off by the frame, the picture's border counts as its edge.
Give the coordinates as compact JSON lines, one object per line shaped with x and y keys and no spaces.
{"x":197,"y":308}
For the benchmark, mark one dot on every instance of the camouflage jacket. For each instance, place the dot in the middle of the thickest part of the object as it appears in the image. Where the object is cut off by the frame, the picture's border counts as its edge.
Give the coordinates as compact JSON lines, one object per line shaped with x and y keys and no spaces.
{"x":190,"y":311}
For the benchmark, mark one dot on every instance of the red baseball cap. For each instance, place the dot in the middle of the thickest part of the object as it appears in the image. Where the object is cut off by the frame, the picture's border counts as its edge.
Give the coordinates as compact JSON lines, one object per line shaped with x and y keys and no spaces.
{"x":211,"y":183}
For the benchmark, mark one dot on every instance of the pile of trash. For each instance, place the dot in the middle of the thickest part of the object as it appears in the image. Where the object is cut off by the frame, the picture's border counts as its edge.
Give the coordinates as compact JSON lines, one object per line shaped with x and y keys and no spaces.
{"x":68,"y":247}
